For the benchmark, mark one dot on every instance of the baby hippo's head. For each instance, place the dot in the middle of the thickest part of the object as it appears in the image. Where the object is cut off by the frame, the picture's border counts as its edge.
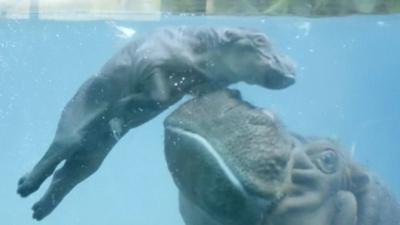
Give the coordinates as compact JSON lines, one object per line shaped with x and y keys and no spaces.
{"x":249,"y":55}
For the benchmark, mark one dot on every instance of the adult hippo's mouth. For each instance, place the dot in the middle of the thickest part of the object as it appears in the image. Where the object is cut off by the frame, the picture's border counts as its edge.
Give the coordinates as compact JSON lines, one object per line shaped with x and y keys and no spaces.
{"x":228,"y":158}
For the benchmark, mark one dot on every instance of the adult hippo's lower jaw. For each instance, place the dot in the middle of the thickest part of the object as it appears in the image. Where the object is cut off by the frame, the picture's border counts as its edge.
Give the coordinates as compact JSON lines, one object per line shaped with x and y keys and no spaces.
{"x":228,"y":159}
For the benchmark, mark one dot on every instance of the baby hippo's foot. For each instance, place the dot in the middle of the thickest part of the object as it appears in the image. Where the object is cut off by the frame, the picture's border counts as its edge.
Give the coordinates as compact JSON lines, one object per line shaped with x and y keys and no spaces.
{"x":43,"y":208}
{"x":31,"y":182}
{"x":53,"y":196}
{"x":27,"y":185}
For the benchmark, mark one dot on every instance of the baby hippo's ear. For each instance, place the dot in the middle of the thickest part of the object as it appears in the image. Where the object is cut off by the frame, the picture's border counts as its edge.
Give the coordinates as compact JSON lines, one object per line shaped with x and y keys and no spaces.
{"x":232,"y":35}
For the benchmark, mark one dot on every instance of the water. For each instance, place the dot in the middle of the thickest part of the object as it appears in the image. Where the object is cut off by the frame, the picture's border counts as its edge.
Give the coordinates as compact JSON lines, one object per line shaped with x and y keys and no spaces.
{"x":348,"y":88}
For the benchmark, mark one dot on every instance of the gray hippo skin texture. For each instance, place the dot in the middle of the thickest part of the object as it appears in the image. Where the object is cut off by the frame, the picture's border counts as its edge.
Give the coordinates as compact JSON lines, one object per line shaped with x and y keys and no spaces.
{"x":138,"y":83}
{"x":235,"y":164}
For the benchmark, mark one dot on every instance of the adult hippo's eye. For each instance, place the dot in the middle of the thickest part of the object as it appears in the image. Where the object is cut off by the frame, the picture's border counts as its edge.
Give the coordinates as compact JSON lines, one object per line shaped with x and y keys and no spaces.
{"x":327,"y":161}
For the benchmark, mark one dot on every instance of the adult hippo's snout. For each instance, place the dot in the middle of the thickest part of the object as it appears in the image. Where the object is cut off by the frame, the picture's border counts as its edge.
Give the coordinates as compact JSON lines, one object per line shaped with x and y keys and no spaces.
{"x":227,"y":158}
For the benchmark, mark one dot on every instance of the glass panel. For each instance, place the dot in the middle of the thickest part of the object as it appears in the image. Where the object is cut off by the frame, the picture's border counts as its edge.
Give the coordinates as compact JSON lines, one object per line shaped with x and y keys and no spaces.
{"x":150,"y":9}
{"x":12,"y":9}
{"x":82,"y":9}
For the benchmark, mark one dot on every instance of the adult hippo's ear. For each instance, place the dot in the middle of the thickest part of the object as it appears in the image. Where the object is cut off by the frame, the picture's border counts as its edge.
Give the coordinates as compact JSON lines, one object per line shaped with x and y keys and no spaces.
{"x":359,"y":179}
{"x":375,"y":204}
{"x":346,"y":209}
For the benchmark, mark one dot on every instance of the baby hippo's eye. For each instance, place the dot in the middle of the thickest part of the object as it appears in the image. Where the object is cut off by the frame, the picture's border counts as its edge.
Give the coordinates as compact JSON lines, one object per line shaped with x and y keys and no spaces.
{"x":260,"y":41}
{"x":327,"y":161}
{"x":232,"y":36}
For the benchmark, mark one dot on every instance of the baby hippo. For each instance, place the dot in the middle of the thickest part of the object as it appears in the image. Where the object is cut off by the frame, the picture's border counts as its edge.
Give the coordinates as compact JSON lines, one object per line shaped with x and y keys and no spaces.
{"x":138,"y":83}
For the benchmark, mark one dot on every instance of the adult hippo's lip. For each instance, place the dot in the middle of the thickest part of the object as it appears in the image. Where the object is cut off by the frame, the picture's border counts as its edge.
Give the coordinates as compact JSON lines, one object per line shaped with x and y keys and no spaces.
{"x":228,"y":157}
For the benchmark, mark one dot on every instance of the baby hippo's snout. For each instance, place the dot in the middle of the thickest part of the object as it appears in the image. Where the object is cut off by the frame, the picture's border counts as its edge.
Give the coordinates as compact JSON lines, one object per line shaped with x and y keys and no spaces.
{"x":280,"y":72}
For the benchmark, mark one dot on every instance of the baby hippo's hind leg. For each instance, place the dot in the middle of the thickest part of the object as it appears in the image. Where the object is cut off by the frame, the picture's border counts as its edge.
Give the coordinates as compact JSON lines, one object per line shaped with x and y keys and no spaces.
{"x":77,"y":168}
{"x":30,"y":182}
{"x":82,"y":115}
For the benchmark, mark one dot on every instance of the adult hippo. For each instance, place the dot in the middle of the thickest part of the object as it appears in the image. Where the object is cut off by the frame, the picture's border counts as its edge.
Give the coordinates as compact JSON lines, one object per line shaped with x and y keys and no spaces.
{"x":235,"y":164}
{"x":138,"y":83}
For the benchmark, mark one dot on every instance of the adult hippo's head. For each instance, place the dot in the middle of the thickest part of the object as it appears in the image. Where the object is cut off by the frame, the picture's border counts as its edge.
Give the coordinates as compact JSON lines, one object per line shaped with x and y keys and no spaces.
{"x":235,"y":164}
{"x":205,"y":144}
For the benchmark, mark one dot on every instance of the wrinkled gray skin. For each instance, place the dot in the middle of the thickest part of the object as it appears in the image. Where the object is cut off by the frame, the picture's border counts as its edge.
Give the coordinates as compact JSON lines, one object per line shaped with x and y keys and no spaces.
{"x":235,"y":164}
{"x":137,"y":84}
